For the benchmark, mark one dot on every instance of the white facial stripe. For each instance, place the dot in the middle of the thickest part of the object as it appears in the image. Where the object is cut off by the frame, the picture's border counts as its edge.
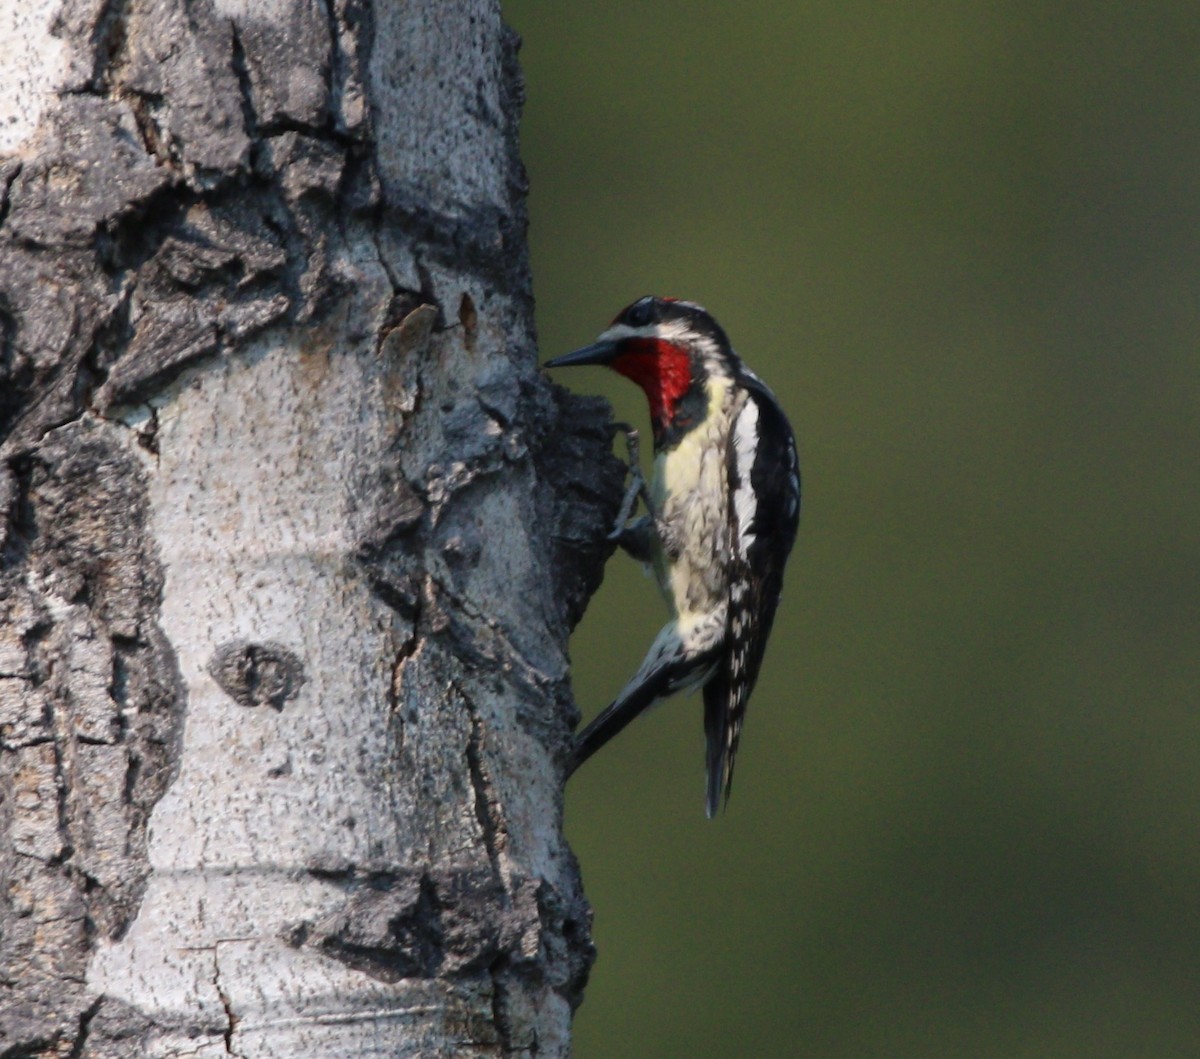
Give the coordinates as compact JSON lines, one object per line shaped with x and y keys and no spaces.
{"x":745,"y":442}
{"x":671,"y":331}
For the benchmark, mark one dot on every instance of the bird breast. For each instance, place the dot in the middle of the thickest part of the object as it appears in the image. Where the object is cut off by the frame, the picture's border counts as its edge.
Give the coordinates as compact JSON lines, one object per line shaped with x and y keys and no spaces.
{"x":690,"y":492}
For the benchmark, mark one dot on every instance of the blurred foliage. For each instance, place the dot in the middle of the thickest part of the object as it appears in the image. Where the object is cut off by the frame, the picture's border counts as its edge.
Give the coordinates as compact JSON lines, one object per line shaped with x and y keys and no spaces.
{"x":961,"y":243}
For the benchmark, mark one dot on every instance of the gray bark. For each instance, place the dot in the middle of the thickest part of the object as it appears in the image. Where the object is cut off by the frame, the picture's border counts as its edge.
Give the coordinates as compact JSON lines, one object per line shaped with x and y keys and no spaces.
{"x":292,"y":534}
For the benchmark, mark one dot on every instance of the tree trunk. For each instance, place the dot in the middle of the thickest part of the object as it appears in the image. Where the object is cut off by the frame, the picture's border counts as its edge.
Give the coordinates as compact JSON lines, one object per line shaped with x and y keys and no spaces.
{"x":293,"y":535}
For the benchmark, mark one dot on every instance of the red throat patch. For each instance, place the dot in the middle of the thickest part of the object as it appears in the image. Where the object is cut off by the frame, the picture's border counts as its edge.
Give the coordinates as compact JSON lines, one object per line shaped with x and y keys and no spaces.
{"x":662,"y":369}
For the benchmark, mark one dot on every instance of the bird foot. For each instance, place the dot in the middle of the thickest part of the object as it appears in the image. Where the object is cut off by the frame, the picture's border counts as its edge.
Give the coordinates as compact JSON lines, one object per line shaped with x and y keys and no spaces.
{"x":637,"y":484}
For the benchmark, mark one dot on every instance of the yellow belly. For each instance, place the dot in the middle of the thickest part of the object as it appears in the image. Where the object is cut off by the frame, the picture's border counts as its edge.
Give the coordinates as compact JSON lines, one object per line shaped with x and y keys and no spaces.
{"x":690,"y":492}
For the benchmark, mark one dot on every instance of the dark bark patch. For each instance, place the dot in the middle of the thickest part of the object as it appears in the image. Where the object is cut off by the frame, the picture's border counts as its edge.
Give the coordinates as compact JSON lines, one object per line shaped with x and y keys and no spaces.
{"x":582,"y":484}
{"x":426,"y":924}
{"x":91,"y":526}
{"x":257,"y":674}
{"x":566,"y":921}
{"x":89,"y":739}
{"x":286,"y":62}
{"x":94,"y":174}
{"x":469,"y":319}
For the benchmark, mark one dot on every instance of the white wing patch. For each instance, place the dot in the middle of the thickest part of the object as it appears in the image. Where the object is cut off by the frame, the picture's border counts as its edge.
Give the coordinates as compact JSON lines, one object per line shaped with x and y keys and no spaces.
{"x":745,"y":444}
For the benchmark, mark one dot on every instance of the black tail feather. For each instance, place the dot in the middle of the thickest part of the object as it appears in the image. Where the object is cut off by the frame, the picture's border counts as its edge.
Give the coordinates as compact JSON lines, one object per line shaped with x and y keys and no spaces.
{"x":718,"y":760}
{"x":610,"y":721}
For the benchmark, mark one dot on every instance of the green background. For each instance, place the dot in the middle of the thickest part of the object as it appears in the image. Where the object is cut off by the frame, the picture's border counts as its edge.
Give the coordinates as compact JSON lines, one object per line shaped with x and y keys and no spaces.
{"x":961,"y":242}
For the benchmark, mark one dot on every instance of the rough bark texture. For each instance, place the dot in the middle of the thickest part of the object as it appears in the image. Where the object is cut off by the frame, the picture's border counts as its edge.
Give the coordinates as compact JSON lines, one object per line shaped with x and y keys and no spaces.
{"x":292,"y":537}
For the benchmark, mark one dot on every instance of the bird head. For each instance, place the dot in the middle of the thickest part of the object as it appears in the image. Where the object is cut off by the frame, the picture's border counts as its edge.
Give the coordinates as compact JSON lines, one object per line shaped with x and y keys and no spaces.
{"x":670,"y":348}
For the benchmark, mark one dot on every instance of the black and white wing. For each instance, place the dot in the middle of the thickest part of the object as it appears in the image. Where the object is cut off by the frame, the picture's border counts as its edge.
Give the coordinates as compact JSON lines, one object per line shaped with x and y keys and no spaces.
{"x":764,"y":512}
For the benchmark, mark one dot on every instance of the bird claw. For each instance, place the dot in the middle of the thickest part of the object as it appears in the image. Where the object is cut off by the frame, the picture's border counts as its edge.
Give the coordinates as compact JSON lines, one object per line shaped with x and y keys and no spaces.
{"x":637,"y":483}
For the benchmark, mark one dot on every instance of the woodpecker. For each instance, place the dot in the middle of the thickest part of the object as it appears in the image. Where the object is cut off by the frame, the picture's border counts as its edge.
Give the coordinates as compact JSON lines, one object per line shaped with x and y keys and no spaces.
{"x":723,"y":503}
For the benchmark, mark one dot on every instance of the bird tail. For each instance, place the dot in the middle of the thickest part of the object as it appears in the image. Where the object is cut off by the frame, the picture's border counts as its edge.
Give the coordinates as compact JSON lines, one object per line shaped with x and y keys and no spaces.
{"x":719,"y":756}
{"x":668,"y":667}
{"x":611,"y":721}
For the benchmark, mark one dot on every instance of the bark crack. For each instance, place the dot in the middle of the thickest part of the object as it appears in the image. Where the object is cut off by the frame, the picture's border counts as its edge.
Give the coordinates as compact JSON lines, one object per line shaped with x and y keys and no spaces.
{"x":63,"y":745}
{"x":85,"y":1025}
{"x":410,"y":649}
{"x":498,"y":971}
{"x":337,"y":66}
{"x":231,"y":1019}
{"x":111,"y":336}
{"x":280,"y":222}
{"x":246,"y":95}
{"x":487,"y":814}
{"x":10,"y":177}
{"x":107,"y":43}
{"x":155,"y":140}
{"x":529,"y":675}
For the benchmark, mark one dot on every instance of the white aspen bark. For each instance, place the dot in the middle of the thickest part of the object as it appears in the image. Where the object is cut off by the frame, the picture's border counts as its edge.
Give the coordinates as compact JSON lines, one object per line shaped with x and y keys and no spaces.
{"x":292,"y":535}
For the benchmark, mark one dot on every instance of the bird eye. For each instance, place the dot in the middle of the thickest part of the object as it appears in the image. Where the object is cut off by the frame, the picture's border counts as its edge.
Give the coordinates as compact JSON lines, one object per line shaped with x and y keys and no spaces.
{"x":640,"y":313}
